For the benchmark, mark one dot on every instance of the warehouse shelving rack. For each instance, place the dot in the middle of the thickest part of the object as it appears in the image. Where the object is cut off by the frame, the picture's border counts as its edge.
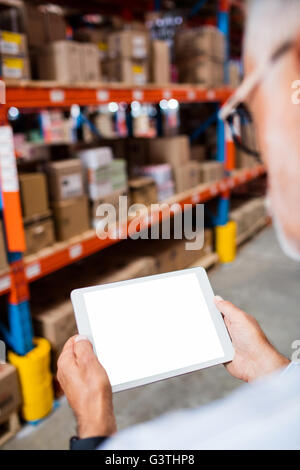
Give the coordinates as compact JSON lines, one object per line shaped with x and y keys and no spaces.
{"x":28,"y":96}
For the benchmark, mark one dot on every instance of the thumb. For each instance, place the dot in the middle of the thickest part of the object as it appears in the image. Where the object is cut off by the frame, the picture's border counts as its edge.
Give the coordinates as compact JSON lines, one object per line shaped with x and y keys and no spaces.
{"x":83,"y":350}
{"x":230,"y":312}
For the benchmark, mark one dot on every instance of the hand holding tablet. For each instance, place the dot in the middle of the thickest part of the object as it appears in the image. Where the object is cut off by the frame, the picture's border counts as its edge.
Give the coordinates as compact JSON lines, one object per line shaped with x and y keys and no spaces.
{"x":153,"y":328}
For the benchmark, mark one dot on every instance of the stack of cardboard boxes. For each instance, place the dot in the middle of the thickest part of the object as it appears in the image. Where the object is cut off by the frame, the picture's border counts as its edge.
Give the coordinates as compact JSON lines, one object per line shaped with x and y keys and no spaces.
{"x":68,"y":62}
{"x":106,"y":178}
{"x":68,"y":199}
{"x":52,"y":56}
{"x":160,"y":62}
{"x":13,"y":44}
{"x":170,"y":255}
{"x":248,"y":214}
{"x":200,"y":56}
{"x":128,"y":61}
{"x":38,"y":223}
{"x":10,"y":401}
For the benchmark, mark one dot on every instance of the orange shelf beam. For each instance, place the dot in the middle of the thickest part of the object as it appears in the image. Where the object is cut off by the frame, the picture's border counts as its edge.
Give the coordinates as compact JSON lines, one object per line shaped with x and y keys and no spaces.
{"x":30,"y":95}
{"x":37,"y":267}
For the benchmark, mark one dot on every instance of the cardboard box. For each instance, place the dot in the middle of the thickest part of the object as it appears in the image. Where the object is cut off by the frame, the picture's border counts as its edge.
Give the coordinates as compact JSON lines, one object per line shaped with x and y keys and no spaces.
{"x":55,"y":26}
{"x":34,"y":25}
{"x":97,"y":164}
{"x":39,"y":235}
{"x":13,"y":44}
{"x":95,"y":36}
{"x":160,"y":62}
{"x":205,"y":41}
{"x":57,"y":324}
{"x":3,"y":256}
{"x":127,"y":268}
{"x":171,"y":255}
{"x":10,"y":394}
{"x":172,"y":150}
{"x":143,"y":191}
{"x":61,"y":61}
{"x":129,"y":71}
{"x":186,"y":176}
{"x":90,"y":62}
{"x":210,"y":171}
{"x":203,"y":71}
{"x":71,"y":217}
{"x":34,"y":194}
{"x":113,"y":199}
{"x":65,"y":179}
{"x":165,"y":252}
{"x":15,"y":67}
{"x":129,"y":45}
{"x":43,"y":25}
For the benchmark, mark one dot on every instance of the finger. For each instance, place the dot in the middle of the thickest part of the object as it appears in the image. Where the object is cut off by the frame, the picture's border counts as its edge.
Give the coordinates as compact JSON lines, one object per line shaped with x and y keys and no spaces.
{"x":66,"y":363}
{"x":83,"y":351}
{"x":229,"y":311}
{"x":69,"y":345}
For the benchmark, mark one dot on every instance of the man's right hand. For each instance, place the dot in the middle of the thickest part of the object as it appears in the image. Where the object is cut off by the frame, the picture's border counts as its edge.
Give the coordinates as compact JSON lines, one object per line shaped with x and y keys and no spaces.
{"x":254,"y":354}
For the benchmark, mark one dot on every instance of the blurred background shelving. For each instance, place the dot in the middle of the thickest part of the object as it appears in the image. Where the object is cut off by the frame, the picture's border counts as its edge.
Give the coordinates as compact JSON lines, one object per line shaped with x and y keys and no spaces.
{"x":104,"y":99}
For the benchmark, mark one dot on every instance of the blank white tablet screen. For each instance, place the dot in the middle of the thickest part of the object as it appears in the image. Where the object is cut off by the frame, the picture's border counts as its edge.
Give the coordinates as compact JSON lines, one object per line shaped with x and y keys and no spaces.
{"x":151,"y":327}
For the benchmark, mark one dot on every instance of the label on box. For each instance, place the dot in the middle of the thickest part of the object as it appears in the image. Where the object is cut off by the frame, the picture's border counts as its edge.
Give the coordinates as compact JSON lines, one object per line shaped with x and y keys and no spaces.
{"x":71,"y":185}
{"x":102,"y":46}
{"x":4,"y":283}
{"x":139,"y":77}
{"x":33,"y":270}
{"x":12,"y":67}
{"x":75,"y":251}
{"x":10,"y":43}
{"x":139,"y":52}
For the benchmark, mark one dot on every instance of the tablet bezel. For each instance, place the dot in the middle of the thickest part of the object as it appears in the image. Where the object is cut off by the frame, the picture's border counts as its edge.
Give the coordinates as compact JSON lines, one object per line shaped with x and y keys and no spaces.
{"x":83,"y":324}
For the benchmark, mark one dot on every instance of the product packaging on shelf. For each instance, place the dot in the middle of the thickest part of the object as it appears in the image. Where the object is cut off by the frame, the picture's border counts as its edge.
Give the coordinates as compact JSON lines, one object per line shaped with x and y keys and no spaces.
{"x":65,"y":179}
{"x":71,"y":217}
{"x":34,"y":194}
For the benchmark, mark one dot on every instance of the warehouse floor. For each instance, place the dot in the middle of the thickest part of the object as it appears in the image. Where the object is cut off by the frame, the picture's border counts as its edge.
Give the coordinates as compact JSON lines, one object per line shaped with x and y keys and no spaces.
{"x":263,"y":282}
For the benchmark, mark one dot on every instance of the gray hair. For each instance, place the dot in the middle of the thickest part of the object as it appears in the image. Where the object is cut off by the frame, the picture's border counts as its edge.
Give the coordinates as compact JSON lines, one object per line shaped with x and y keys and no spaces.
{"x":269,"y":24}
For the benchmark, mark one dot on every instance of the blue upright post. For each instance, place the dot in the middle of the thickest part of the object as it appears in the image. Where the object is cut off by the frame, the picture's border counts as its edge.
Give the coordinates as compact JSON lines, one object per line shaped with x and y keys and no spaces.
{"x":223,"y":25}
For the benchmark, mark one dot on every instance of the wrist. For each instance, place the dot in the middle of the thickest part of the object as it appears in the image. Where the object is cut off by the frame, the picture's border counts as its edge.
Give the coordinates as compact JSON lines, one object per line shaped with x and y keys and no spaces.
{"x":86,"y":430}
{"x":269,"y":362}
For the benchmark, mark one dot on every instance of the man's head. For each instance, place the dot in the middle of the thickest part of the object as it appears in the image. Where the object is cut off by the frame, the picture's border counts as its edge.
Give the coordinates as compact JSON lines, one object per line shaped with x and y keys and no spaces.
{"x":271,"y":23}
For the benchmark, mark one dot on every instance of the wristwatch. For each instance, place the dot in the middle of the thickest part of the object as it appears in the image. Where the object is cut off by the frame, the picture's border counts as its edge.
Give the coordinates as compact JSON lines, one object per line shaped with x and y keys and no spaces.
{"x":90,"y":443}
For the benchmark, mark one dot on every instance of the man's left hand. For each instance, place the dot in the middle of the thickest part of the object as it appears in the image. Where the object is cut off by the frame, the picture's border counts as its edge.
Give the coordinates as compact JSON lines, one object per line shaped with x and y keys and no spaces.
{"x":87,"y":388}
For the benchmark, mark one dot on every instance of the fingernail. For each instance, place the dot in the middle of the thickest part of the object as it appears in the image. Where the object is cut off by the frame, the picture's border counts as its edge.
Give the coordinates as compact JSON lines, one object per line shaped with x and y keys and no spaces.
{"x":218,"y":298}
{"x":80,"y":338}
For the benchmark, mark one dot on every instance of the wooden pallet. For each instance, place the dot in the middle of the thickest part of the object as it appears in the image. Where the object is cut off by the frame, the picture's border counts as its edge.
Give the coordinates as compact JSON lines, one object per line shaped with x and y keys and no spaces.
{"x":206,"y":261}
{"x":259,"y":225}
{"x":9,"y":428}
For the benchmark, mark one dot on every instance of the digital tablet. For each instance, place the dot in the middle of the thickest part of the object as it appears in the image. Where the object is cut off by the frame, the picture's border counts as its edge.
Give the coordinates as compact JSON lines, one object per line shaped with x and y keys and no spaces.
{"x":153,"y":328}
